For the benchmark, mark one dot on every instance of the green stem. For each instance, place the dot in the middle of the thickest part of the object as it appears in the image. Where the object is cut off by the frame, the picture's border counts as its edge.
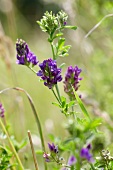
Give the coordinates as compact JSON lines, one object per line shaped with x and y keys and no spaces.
{"x":56,"y":96}
{"x":54,"y":58}
{"x":57,"y":89}
{"x":37,"y":121}
{"x":32,"y":69}
{"x":35,"y":115}
{"x":12,"y":147}
{"x":74,"y":117}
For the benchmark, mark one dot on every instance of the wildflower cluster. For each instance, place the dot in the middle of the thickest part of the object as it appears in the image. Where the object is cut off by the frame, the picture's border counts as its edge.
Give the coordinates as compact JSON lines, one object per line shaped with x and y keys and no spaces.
{"x":72,"y":79}
{"x":69,"y":154}
{"x":53,"y":155}
{"x":51,"y":22}
{"x":24,"y":55}
{"x":49,"y":73}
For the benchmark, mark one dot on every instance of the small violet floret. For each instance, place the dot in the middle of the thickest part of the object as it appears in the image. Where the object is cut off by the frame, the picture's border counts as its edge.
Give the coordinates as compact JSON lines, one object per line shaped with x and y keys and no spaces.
{"x":72,"y":79}
{"x":53,"y":148}
{"x":49,"y":73}
{"x":46,"y":156}
{"x":24,"y":55}
{"x":71,"y":160}
{"x":85,"y":153}
{"x":1,"y":111}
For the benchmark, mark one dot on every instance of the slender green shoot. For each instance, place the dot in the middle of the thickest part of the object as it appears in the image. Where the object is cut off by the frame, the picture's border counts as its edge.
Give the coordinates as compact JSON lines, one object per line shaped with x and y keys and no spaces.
{"x":12,"y":146}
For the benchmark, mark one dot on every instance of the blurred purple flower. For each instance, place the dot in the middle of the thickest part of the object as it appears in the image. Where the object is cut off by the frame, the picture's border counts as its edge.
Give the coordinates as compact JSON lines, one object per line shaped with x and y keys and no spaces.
{"x":24,"y":55}
{"x":46,"y":157}
{"x":65,"y":23}
{"x":53,"y":148}
{"x":1,"y":111}
{"x":71,"y":160}
{"x":85,"y":153}
{"x":72,"y":79}
{"x":49,"y":73}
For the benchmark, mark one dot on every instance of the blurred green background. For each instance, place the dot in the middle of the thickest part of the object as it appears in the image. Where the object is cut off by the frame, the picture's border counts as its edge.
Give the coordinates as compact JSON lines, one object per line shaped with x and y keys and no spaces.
{"x":94,"y":55}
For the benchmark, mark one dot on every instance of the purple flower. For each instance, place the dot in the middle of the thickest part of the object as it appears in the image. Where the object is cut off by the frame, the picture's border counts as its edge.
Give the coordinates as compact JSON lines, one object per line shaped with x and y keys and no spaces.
{"x":72,"y":79}
{"x":24,"y":55}
{"x":47,"y":157}
{"x":53,"y":148}
{"x":71,"y":160}
{"x":65,"y":23}
{"x":49,"y":73}
{"x":1,"y":111}
{"x":85,"y":153}
{"x":52,"y":156}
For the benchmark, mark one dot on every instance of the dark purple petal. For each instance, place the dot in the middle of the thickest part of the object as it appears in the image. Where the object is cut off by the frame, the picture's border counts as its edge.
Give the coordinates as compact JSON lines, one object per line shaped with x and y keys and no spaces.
{"x":53,"y":148}
{"x":89,"y":146}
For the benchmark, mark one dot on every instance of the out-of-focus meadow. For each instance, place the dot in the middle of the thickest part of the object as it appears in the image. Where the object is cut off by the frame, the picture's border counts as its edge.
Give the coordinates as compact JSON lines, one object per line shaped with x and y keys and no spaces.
{"x":92,"y":53}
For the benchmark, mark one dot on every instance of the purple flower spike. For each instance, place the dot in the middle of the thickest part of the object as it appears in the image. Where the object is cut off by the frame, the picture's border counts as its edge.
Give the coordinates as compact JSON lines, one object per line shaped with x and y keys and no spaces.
{"x":1,"y":111}
{"x":85,"y":153}
{"x":72,"y":79}
{"x":72,"y":160}
{"x":53,"y":148}
{"x":49,"y":73}
{"x":24,"y":55}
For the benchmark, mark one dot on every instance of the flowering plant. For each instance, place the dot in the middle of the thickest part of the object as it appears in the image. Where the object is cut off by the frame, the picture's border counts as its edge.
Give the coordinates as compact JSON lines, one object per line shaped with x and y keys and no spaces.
{"x":76,"y":151}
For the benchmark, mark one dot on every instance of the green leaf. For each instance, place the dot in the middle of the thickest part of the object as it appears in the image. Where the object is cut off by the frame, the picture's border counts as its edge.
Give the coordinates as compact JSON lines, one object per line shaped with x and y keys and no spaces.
{"x":81,"y":105}
{"x":58,"y":35}
{"x":64,"y":51}
{"x":56,"y":104}
{"x":62,"y":65}
{"x":39,"y":152}
{"x":71,"y":103}
{"x":95,"y":123}
{"x":63,"y":99}
{"x":70,"y":27}
{"x":23,"y":143}
{"x":60,"y":43}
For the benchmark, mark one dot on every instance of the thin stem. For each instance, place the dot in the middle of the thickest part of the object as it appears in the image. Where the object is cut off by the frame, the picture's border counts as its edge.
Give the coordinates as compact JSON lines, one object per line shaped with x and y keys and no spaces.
{"x":33,"y":152}
{"x":57,"y":89}
{"x":35,"y":115}
{"x":56,"y":96}
{"x":37,"y":120}
{"x":32,"y":69}
{"x":4,"y":121}
{"x":53,"y":51}
{"x":74,"y":117}
{"x":98,"y":24}
{"x":12,"y":147}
